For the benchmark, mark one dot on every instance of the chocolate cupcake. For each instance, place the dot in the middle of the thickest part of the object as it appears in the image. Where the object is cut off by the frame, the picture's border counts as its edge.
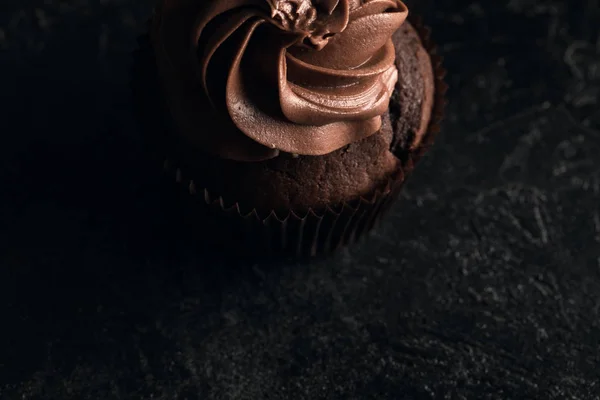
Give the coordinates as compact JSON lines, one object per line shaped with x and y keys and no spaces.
{"x":295,"y":121}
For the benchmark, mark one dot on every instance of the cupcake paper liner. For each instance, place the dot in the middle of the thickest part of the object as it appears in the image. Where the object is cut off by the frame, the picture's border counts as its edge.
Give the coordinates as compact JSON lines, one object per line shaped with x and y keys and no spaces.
{"x":315,"y":232}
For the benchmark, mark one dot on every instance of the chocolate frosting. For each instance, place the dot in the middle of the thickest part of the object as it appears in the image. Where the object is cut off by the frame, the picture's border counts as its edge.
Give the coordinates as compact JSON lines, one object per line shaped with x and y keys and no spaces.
{"x":299,"y":76}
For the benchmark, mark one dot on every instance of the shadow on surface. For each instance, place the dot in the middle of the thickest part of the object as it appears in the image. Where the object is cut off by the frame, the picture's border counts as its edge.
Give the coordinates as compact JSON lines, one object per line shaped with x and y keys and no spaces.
{"x":91,"y":239}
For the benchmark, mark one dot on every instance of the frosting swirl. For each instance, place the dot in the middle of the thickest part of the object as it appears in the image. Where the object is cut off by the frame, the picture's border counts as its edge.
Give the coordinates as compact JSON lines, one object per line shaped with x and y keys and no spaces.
{"x":301,"y":76}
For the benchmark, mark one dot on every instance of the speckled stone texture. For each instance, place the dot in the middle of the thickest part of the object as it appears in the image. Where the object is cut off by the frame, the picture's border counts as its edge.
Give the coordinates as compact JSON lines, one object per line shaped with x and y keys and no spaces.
{"x":484,"y":283}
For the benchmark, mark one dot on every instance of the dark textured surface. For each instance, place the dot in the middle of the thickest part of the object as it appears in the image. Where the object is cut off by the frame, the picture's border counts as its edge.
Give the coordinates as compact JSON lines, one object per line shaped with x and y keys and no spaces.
{"x":483,"y":283}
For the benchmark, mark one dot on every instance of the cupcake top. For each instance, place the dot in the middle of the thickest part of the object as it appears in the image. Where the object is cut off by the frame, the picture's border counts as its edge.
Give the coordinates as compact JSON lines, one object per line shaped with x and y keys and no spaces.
{"x":299,"y":76}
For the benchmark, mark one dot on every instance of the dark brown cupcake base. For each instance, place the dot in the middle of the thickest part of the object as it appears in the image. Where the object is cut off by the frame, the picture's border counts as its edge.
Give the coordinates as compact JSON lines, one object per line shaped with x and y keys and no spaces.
{"x":266,"y":234}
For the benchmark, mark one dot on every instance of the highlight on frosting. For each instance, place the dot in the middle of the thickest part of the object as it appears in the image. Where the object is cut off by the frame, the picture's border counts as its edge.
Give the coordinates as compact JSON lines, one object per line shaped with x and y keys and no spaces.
{"x":294,"y":15}
{"x":300,"y":76}
{"x":303,"y":17}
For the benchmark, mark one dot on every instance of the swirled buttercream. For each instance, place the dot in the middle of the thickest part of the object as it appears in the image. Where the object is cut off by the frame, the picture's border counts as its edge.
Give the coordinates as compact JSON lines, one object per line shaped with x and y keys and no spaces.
{"x":300,"y":76}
